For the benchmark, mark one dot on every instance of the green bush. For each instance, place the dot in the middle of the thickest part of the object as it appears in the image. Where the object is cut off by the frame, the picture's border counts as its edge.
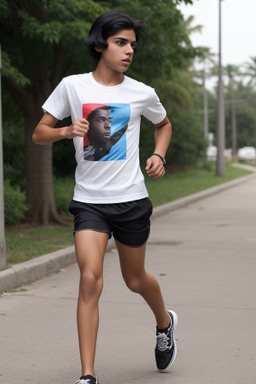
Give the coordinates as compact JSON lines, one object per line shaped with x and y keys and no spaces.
{"x":15,"y":205}
{"x":63,"y":193}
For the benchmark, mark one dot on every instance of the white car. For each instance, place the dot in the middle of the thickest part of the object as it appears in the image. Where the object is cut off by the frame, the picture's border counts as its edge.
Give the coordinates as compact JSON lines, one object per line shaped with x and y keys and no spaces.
{"x":246,"y":154}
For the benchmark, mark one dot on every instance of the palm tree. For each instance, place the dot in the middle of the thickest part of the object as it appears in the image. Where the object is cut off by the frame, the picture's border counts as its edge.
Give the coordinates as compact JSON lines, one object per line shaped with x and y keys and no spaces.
{"x":250,"y":68}
{"x":232,"y":71}
{"x":175,"y":92}
{"x":250,"y":71}
{"x":207,"y":57}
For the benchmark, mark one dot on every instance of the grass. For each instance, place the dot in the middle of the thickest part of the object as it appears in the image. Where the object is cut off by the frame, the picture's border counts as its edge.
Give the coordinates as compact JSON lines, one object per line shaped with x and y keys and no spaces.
{"x":24,"y":243}
{"x":175,"y":186}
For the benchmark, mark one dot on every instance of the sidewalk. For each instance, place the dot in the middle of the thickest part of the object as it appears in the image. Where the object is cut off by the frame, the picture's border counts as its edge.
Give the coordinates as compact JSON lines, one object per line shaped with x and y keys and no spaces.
{"x":204,"y":258}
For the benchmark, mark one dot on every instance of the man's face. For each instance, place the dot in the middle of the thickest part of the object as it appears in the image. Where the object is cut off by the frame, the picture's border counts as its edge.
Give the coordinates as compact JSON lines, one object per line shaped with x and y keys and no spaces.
{"x":117,"y":57}
{"x":100,"y":126}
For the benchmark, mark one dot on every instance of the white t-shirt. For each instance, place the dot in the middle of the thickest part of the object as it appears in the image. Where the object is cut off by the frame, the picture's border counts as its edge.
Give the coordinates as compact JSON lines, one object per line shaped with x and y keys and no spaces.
{"x":108,"y":173}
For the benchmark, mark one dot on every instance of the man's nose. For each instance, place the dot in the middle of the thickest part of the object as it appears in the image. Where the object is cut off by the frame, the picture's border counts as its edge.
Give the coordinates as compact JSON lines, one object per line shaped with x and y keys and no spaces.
{"x":107,"y":124}
{"x":130,"y":49}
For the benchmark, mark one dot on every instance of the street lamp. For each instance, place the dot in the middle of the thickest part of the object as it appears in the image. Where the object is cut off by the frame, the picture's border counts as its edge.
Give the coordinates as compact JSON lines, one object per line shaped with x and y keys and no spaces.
{"x":220,"y":169}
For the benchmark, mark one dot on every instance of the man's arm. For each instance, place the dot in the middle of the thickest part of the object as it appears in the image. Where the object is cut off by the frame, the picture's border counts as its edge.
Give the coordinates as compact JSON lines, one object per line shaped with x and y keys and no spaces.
{"x":163,"y":134}
{"x":116,"y":137}
{"x":46,"y":133}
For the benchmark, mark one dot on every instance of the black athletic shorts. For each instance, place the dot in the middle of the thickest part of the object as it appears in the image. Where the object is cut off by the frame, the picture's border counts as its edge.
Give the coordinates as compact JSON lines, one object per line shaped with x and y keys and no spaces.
{"x":128,"y":222}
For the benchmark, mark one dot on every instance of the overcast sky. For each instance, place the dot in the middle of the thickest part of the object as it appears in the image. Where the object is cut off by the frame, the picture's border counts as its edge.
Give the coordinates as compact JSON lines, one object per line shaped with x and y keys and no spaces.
{"x":238,"y":28}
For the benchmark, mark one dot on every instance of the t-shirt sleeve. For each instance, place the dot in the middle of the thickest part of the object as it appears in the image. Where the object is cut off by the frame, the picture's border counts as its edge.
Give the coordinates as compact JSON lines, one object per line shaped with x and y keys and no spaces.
{"x":154,"y":111}
{"x":57,"y":103}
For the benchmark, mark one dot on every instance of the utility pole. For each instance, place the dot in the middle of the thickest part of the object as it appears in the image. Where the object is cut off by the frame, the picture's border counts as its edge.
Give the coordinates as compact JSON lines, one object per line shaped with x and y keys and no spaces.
{"x":220,"y":168}
{"x":2,"y":229}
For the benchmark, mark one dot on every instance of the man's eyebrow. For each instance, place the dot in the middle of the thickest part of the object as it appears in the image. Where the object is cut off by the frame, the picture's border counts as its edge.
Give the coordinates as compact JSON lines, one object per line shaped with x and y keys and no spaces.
{"x":104,"y":117}
{"x":123,"y":39}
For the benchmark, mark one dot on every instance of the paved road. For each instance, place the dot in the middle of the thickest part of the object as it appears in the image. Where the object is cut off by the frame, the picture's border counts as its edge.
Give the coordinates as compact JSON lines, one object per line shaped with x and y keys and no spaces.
{"x":204,"y":256}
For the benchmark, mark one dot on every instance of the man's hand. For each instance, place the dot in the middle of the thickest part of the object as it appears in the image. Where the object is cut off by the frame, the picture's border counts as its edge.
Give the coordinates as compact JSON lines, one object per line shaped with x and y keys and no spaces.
{"x":155,"y":168}
{"x":79,"y":127}
{"x":46,"y":133}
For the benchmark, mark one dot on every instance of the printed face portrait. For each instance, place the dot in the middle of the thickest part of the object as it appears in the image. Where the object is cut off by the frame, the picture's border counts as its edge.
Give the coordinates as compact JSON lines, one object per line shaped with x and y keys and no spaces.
{"x":100,"y":126}
{"x":106,"y":137}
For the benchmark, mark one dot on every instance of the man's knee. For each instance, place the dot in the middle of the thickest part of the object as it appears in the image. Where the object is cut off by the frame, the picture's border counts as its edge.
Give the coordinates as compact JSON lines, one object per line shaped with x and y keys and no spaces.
{"x":134,"y":284}
{"x":90,"y":285}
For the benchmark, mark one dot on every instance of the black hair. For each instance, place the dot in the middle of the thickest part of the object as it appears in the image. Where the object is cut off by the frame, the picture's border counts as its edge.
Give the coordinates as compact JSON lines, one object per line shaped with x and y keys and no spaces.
{"x":107,"y":25}
{"x":94,"y":112}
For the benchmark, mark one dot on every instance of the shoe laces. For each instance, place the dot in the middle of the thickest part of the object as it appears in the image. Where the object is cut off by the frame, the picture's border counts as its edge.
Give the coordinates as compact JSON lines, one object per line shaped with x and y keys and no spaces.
{"x":164,"y":340}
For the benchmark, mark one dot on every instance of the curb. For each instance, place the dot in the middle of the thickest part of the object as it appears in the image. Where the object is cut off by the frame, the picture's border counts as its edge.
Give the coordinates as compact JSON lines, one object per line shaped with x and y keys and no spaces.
{"x":29,"y":271}
{"x":36,"y":268}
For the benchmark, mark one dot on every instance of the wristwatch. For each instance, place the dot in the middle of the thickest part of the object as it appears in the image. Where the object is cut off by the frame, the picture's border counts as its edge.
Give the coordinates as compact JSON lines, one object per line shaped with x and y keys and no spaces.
{"x":161,"y":157}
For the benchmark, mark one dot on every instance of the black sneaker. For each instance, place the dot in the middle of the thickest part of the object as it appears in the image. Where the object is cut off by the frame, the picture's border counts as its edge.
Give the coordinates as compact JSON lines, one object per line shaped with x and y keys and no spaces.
{"x":88,"y":379}
{"x":165,"y":351}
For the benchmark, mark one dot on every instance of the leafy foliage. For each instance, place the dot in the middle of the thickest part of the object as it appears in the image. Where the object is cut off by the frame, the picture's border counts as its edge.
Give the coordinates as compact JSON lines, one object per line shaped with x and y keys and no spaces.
{"x":14,"y":204}
{"x":63,"y":191}
{"x":167,"y":43}
{"x":250,"y":71}
{"x":240,"y":90}
{"x":13,"y":143}
{"x":188,"y":142}
{"x":38,"y":34}
{"x":12,"y":72}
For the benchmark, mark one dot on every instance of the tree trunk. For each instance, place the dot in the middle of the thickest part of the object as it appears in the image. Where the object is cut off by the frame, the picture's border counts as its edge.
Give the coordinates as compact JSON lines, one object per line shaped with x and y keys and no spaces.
{"x":39,"y":175}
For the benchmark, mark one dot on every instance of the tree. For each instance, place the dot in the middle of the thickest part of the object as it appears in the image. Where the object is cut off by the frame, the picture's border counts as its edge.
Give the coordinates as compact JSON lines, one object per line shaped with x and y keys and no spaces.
{"x":231,"y":72}
{"x":250,"y":71}
{"x":250,"y":68}
{"x":42,"y":43}
{"x":205,"y":57}
{"x":244,"y":99}
{"x":39,"y":39}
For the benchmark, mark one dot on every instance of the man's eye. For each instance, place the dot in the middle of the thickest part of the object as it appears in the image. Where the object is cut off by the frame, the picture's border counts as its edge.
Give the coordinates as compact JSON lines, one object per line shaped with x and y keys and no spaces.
{"x":103,"y":119}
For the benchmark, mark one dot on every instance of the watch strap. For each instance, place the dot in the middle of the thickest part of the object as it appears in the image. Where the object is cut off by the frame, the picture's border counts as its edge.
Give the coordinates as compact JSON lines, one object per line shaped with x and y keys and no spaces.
{"x":161,"y":157}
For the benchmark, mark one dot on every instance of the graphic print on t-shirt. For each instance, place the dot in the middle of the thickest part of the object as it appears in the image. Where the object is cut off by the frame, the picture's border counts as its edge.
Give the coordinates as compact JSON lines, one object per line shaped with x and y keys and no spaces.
{"x":106,"y":138}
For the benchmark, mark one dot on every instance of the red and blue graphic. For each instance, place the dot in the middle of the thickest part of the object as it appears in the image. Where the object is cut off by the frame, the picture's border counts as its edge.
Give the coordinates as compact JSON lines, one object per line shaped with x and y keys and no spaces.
{"x":106,"y":138}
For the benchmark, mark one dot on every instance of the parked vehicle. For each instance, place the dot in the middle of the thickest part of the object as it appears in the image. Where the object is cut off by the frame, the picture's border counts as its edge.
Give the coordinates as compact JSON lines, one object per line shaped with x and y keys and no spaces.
{"x":247,"y":154}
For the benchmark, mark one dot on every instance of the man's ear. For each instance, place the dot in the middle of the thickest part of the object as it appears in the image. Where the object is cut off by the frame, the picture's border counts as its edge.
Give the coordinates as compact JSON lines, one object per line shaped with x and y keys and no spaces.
{"x":97,"y":49}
